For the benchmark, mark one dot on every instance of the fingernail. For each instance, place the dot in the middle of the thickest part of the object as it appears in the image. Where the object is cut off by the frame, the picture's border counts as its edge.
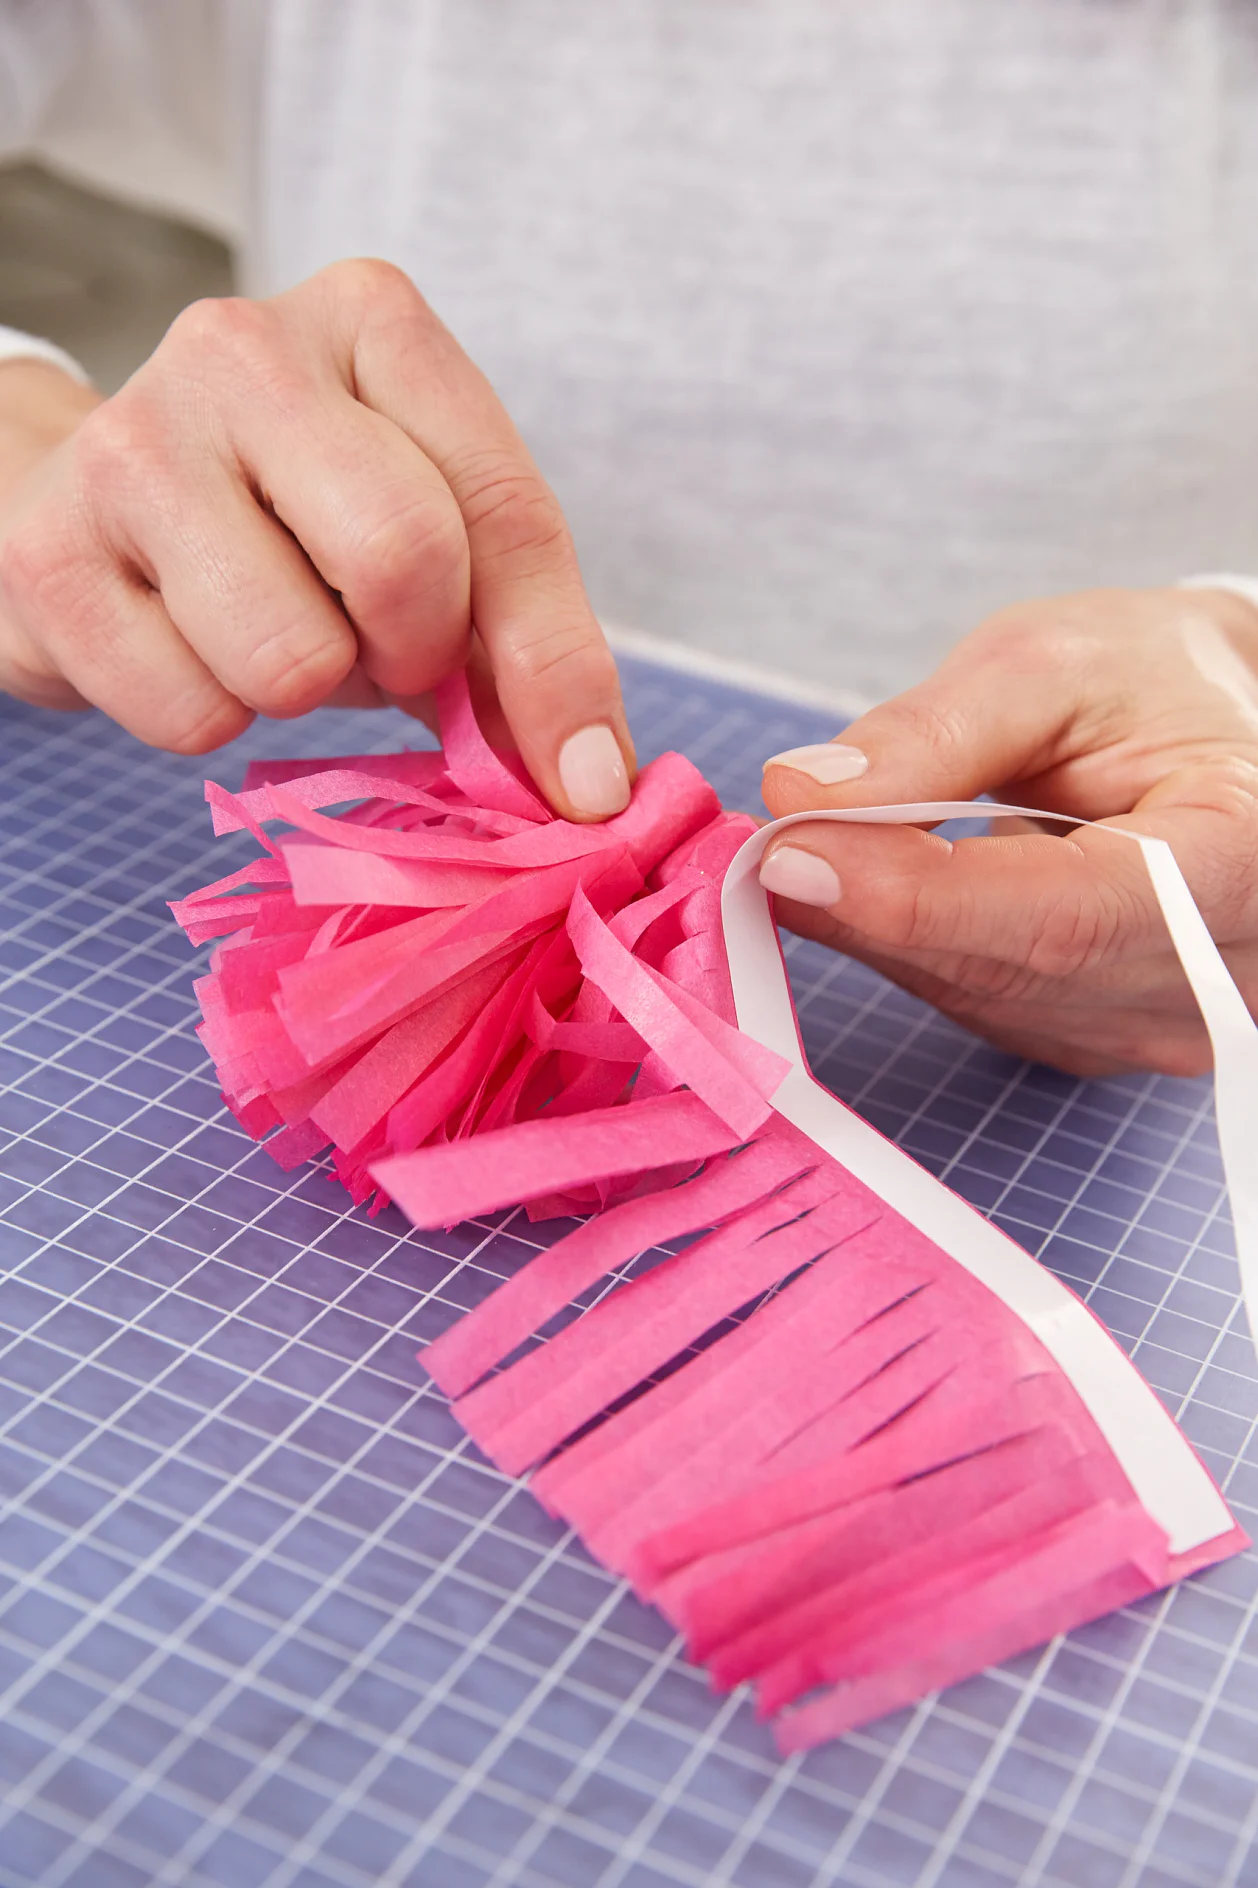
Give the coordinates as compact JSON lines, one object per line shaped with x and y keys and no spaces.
{"x":794,"y":873}
{"x":827,"y":762}
{"x":593,"y":773}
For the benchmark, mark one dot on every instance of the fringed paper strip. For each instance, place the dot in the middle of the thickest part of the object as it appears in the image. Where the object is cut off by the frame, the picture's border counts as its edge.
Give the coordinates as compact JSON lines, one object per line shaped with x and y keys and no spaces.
{"x":852,"y":1447}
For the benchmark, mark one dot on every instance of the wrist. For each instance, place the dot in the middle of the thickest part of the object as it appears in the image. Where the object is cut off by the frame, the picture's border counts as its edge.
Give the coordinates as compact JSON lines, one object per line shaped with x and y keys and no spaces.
{"x":40,"y":406}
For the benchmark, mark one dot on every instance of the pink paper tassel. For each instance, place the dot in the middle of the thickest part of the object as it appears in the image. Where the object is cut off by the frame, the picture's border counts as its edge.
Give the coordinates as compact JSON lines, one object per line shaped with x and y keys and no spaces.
{"x":838,"y":1464}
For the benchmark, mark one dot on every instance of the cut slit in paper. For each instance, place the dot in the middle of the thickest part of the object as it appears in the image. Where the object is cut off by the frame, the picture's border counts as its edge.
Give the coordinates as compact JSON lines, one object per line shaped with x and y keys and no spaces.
{"x":851,"y":1440}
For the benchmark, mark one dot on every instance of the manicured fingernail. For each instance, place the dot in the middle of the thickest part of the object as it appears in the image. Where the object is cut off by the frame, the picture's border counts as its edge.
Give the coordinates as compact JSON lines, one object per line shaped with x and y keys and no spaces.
{"x":828,"y":762}
{"x":794,"y":873}
{"x":593,"y":773}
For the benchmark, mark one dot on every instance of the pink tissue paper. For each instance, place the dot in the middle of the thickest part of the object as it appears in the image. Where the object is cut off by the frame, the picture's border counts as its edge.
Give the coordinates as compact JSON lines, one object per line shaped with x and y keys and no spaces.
{"x":838,"y":1464}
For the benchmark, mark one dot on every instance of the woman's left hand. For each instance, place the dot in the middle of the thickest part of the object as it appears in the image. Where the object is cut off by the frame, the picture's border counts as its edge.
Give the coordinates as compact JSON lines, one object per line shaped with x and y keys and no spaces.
{"x":1139,"y":708}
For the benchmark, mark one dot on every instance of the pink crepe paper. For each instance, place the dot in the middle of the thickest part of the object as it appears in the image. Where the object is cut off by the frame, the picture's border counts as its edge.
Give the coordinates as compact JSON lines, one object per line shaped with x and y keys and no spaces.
{"x":840,"y":1465}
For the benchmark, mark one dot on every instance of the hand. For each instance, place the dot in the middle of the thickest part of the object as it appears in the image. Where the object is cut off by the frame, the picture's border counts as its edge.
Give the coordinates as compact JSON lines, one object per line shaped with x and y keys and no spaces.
{"x":294,"y":501}
{"x":1135,"y":707}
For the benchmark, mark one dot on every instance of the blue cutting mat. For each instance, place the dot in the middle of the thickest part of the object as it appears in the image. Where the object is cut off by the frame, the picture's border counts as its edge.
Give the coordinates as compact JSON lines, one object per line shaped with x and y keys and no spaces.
{"x":267,"y":1620}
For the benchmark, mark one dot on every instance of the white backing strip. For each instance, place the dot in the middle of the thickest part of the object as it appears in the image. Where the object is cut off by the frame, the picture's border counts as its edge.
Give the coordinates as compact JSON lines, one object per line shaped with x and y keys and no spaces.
{"x":1158,"y":1461}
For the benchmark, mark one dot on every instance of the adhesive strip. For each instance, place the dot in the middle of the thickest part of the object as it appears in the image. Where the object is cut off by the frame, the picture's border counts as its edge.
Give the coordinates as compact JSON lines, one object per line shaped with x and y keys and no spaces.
{"x":1170,"y":1482}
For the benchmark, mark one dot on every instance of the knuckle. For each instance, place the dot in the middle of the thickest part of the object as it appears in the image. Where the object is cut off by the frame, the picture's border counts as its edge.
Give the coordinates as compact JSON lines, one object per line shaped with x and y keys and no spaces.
{"x":938,"y":725}
{"x":555,"y":653}
{"x":895,"y":914}
{"x":1040,"y":639}
{"x":514,"y":517}
{"x":900,"y":902}
{"x":43,"y":577}
{"x":905,"y":915}
{"x":1220,"y":795}
{"x":1080,"y":935}
{"x":118,"y":446}
{"x":384,"y":321}
{"x":287,"y":673}
{"x":1237,"y":783}
{"x":228,"y":329}
{"x":27,"y":668}
{"x":983,"y":980}
{"x":370,"y":288}
{"x":369,"y":280}
{"x":232,"y":344}
{"x":201,"y":723}
{"x":1227,"y":869}
{"x":414,"y":548}
{"x":29,"y":562}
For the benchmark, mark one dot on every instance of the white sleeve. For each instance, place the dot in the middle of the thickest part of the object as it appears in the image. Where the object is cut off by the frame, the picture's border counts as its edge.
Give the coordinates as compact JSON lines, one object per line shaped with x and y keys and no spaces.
{"x":129,"y":97}
{"x":16,"y":346}
{"x":1246,"y":587}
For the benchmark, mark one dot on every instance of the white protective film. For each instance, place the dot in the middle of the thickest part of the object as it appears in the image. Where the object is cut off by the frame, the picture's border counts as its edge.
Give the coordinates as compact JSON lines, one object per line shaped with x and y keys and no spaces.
{"x":1161,"y":1466}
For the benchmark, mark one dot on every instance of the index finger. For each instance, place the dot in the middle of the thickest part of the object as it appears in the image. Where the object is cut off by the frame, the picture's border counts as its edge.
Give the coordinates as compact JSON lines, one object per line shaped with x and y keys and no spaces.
{"x":555,"y":675}
{"x":1052,"y":906}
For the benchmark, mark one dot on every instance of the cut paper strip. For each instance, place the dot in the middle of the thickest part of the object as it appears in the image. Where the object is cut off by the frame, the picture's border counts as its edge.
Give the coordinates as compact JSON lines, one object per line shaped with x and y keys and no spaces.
{"x":483,"y":776}
{"x":687,"y":1051}
{"x":330,"y":875}
{"x":444,"y":1185}
{"x":520,"y":1415}
{"x":627,"y":1484}
{"x":850,"y":1439}
{"x":501,"y":1322}
{"x":329,"y":787}
{"x":961,"y":1426}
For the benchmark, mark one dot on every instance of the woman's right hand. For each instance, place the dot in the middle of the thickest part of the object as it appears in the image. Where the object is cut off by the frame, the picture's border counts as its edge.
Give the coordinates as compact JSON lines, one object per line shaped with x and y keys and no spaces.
{"x":296,"y":500}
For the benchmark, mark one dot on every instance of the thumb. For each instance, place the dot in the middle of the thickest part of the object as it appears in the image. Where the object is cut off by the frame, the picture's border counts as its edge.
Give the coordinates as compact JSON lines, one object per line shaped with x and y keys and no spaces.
{"x":978,"y":723}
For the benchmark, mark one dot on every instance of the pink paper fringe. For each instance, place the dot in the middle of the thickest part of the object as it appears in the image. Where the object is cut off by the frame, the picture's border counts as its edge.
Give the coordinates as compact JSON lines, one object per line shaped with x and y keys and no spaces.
{"x":836,"y":1463}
